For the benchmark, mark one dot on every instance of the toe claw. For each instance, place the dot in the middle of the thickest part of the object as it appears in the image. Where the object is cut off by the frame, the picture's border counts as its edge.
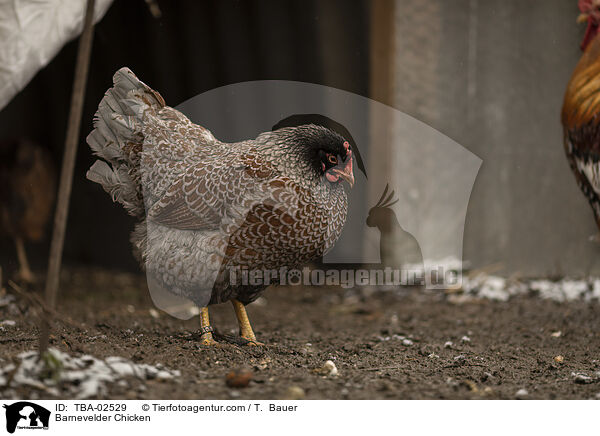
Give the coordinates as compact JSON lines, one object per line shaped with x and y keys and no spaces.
{"x":252,"y":342}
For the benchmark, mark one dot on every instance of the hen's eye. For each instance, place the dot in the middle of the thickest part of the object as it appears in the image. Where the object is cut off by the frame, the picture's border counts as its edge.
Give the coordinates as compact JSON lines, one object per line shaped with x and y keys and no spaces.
{"x":332,"y":159}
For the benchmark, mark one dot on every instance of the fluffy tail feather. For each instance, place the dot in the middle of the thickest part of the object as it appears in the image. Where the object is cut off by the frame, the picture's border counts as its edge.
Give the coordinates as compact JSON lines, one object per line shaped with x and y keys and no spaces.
{"x":118,"y":139}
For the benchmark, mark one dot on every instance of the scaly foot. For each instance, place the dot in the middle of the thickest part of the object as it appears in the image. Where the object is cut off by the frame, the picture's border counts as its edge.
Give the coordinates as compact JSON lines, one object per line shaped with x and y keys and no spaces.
{"x":206,"y":331}
{"x":244,"y":323}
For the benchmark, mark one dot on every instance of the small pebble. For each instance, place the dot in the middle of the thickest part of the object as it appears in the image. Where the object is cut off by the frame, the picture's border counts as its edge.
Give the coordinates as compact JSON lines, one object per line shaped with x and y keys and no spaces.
{"x":329,"y":365}
{"x":581,"y":378}
{"x":329,"y":369}
{"x":522,"y":393}
{"x":407,"y":342}
{"x":154,"y":313}
{"x":559,"y":359}
{"x":556,"y":334}
{"x":294,"y":393}
{"x":9,"y":322}
{"x":448,"y":344}
{"x":234,"y":394}
{"x":465,"y":339}
{"x":238,"y":378}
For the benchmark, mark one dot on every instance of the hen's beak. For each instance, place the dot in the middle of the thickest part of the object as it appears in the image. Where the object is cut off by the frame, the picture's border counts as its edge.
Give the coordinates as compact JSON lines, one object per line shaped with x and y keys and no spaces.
{"x":345,"y":173}
{"x":583,"y":17}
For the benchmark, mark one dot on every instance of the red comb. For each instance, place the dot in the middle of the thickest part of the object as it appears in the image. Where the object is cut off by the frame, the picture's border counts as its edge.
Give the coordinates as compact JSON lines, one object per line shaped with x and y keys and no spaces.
{"x":584,"y":5}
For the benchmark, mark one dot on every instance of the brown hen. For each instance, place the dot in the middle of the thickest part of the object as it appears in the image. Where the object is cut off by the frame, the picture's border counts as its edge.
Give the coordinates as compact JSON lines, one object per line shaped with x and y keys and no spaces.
{"x":27,"y":190}
{"x":208,"y":209}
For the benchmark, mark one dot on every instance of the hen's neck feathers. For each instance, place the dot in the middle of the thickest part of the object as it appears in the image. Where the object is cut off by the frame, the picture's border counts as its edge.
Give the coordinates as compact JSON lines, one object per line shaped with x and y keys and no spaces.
{"x":582,"y":98}
{"x":292,"y":158}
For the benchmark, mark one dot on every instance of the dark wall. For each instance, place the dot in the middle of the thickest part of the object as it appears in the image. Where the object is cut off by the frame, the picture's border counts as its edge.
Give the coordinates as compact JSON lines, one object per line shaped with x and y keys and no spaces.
{"x":195,"y":46}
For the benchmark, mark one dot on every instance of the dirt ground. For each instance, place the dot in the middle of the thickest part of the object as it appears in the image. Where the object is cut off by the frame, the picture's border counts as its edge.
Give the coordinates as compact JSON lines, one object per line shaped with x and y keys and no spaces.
{"x":407,"y":344}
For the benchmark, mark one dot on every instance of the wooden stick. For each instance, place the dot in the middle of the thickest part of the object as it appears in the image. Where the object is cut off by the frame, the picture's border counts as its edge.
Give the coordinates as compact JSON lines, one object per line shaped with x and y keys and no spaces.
{"x":66,"y":175}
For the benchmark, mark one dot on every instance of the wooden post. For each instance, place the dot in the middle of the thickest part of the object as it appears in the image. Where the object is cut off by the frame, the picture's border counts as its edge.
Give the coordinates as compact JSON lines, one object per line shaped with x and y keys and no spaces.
{"x":66,"y":175}
{"x":381,"y":89}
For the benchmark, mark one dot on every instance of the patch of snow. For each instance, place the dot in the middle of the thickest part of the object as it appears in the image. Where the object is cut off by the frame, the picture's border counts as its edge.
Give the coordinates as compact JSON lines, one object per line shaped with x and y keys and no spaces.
{"x":81,"y":377}
{"x":574,"y":289}
{"x":595,"y":294}
{"x":501,"y":289}
{"x":492,"y":287}
{"x":6,"y":300}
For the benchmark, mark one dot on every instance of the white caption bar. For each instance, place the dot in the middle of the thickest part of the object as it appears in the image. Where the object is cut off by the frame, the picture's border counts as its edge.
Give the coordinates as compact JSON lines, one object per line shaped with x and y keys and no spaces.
{"x":160,"y":417}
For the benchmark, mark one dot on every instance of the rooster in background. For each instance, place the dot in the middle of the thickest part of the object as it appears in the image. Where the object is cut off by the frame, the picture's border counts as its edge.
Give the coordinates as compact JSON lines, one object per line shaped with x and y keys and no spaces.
{"x":581,"y":108}
{"x":27,"y":189}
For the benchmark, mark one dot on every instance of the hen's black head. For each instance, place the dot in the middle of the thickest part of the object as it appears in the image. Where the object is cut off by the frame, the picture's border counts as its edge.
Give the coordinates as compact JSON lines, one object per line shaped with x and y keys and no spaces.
{"x":326,"y":153}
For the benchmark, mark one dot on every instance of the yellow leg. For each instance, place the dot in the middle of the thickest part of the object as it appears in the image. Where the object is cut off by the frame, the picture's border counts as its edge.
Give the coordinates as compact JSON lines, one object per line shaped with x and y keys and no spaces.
{"x":244,"y":323}
{"x":24,"y":273}
{"x":205,"y":328}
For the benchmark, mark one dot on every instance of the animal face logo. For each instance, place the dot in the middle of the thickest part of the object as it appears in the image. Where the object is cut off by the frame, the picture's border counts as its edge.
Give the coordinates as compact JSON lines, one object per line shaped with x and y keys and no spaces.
{"x":26,"y":415}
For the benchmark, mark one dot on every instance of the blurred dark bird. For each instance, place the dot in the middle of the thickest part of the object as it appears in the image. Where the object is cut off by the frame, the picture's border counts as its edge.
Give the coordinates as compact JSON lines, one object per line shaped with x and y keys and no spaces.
{"x":207,"y":208}
{"x":27,"y":191}
{"x":581,"y":109}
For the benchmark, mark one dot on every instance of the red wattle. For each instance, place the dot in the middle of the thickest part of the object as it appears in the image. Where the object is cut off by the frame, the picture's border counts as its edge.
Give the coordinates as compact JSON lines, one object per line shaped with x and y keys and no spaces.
{"x":590,"y":33}
{"x":332,"y":177}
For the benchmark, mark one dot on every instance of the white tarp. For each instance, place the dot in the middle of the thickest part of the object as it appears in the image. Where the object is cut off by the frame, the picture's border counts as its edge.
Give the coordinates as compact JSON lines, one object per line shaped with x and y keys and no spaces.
{"x":32,"y":32}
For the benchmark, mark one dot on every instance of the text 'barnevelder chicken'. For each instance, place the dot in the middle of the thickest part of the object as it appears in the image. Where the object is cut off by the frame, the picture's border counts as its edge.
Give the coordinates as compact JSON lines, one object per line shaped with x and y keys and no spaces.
{"x":207,"y":208}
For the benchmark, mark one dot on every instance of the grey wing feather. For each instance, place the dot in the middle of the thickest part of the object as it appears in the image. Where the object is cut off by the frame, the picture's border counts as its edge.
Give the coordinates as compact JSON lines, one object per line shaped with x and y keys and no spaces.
{"x":206,"y":195}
